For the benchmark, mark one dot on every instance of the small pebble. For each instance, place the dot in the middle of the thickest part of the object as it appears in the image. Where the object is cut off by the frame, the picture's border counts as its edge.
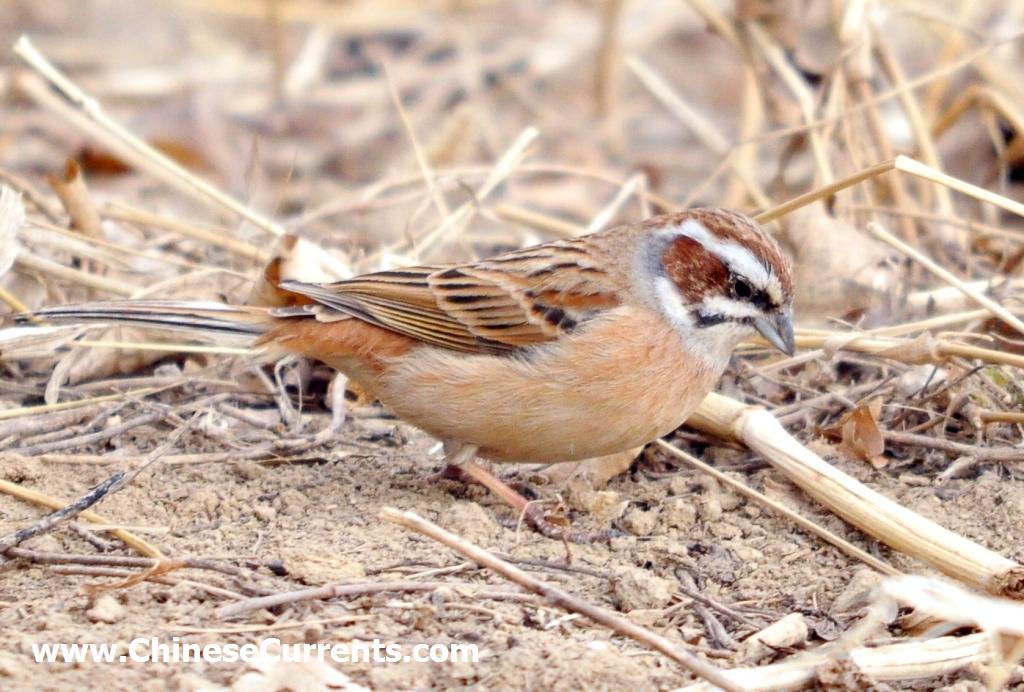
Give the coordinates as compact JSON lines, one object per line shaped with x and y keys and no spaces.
{"x":636,"y":588}
{"x":105,"y":609}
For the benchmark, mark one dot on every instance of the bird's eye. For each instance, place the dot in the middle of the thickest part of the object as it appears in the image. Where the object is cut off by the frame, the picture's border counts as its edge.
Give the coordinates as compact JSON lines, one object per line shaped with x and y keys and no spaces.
{"x":741,"y":289}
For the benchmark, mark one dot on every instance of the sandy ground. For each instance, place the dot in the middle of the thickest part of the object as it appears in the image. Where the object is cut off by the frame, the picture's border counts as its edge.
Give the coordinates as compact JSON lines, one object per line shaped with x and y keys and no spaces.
{"x":315,"y":521}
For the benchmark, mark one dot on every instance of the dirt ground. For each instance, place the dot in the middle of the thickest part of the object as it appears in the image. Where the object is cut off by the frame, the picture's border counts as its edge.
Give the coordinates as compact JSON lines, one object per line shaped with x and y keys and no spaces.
{"x":314,"y":521}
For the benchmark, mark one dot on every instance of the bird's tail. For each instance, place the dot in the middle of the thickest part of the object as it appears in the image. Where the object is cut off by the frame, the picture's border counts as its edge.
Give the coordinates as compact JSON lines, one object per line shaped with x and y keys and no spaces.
{"x":179,"y":315}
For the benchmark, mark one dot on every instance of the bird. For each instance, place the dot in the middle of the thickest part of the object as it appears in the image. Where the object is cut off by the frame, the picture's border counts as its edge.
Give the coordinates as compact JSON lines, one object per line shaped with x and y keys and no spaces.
{"x":563,"y":351}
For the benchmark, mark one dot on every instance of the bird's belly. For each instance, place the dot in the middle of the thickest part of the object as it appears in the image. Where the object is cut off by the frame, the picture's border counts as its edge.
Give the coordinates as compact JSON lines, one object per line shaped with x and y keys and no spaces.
{"x":608,"y":390}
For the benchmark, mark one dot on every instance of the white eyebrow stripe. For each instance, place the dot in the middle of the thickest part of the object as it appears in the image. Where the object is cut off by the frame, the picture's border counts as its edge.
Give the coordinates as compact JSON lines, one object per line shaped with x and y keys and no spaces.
{"x":729,"y":308}
{"x":738,"y":258}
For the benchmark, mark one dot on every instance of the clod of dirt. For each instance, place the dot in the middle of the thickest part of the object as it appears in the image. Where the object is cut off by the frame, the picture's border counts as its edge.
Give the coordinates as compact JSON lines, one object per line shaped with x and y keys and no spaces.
{"x":724,"y":530}
{"x":963,"y":686}
{"x":264,"y":513}
{"x":281,"y":675}
{"x":709,"y":501}
{"x":636,"y":588}
{"x":45,"y":543}
{"x":202,"y":501}
{"x":471,"y":521}
{"x":10,"y":666}
{"x":640,"y":522}
{"x":105,"y":609}
{"x":844,"y":675}
{"x":317,"y":569}
{"x":604,"y":506}
{"x":679,"y":513}
{"x":291,"y":501}
{"x":402,"y":676}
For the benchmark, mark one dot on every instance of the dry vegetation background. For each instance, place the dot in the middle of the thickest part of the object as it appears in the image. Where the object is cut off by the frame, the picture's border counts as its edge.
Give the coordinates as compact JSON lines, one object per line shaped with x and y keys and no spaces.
{"x":391,"y":132}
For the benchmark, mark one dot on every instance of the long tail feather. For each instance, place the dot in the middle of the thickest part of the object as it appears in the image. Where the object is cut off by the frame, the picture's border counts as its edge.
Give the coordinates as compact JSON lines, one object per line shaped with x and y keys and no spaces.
{"x":178,"y":315}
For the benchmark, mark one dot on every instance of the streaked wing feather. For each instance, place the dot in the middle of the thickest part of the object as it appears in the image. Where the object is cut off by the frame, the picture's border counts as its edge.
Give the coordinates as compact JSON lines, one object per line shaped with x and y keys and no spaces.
{"x":493,"y":306}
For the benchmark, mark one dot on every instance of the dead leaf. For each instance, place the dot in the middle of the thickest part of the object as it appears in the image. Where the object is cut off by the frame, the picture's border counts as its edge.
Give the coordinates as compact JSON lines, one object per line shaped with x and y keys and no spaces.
{"x":101,"y":162}
{"x":862,"y":438}
{"x":839,"y":268}
{"x":295,"y":259}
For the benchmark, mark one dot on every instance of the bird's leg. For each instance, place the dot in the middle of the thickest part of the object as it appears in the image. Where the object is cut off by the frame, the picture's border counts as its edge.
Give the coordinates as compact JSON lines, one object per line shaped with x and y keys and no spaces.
{"x":461,"y":458}
{"x":455,"y":455}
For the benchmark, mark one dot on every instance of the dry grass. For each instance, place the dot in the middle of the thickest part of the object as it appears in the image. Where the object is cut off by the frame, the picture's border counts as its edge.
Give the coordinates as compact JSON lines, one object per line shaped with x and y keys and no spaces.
{"x":881,"y":142}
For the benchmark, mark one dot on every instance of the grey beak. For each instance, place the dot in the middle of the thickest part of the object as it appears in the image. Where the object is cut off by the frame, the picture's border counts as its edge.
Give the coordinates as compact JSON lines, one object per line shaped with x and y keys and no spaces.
{"x":778,"y":332}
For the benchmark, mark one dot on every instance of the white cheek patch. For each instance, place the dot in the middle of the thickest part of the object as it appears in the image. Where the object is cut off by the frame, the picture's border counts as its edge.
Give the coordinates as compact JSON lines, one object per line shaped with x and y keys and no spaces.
{"x":713,"y":344}
{"x":672,"y":303}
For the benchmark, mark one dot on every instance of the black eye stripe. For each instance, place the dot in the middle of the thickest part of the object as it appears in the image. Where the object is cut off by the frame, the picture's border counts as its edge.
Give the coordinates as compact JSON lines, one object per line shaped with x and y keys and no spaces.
{"x":710,"y":320}
{"x":742,"y":289}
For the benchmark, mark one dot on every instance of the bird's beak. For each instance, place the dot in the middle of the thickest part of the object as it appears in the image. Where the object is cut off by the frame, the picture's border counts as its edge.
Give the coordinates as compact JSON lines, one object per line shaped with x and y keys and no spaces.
{"x":778,"y":332}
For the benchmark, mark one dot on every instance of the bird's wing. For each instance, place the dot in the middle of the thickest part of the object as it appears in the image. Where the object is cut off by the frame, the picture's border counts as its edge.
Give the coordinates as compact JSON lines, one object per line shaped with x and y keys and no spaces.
{"x":496,"y":305}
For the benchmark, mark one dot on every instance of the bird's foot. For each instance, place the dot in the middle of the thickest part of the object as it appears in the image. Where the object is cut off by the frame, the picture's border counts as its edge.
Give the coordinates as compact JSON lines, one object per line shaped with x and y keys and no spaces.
{"x":529,"y":512}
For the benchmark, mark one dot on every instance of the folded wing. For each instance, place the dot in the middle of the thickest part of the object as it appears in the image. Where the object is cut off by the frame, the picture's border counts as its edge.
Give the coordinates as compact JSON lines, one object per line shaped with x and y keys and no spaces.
{"x":497,"y":305}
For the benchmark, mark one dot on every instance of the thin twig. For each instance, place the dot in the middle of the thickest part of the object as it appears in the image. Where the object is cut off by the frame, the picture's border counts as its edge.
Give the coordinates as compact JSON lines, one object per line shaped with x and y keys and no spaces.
{"x":128,"y":145}
{"x":979,"y":452}
{"x":98,"y":436}
{"x":804,"y":523}
{"x":97,"y":493}
{"x":323,"y":593}
{"x":948,"y":276}
{"x":562,"y":599}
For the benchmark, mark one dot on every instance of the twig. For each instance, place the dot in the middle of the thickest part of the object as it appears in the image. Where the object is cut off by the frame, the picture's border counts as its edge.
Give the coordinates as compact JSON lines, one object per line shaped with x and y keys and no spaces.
{"x":421,"y":158}
{"x":37,"y":498}
{"x":97,"y":493}
{"x":948,"y":276}
{"x":44,"y":557}
{"x":98,"y":124}
{"x":323,"y":593}
{"x":783,"y":66}
{"x":803,"y":200}
{"x":128,"y":575}
{"x":977,"y":451}
{"x":866,"y":509}
{"x":912,"y":660}
{"x":26,"y":411}
{"x":48,"y":268}
{"x":688,"y":587}
{"x":99,"y":435}
{"x":502,"y":170}
{"x":557,"y":597}
{"x":607,"y":65}
{"x":804,"y":523}
{"x":211,"y":235}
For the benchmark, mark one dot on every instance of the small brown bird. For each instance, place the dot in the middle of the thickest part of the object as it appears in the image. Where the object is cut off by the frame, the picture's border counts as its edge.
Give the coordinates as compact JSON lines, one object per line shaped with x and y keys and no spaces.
{"x":558,"y":352}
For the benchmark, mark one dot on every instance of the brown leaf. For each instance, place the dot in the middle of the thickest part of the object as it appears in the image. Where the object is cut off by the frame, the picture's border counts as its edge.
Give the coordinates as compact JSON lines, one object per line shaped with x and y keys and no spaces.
{"x":862,"y":439}
{"x":840,"y":269}
{"x":101,"y":162}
